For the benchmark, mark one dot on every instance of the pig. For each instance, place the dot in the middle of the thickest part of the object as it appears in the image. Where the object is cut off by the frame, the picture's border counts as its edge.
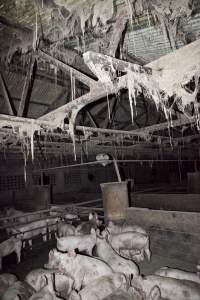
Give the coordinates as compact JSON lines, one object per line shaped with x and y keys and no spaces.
{"x":130,"y":241}
{"x":65,"y":229}
{"x":130,"y":254}
{"x":113,"y":228}
{"x":30,"y":230}
{"x":82,"y":243}
{"x":135,"y":255}
{"x":116,"y":262}
{"x":9,"y":246}
{"x":38,"y":279}
{"x":18,"y":290}
{"x":52,"y":224}
{"x":6,"y":280}
{"x":178,"y":274}
{"x":85,"y":227}
{"x":74,"y":296}
{"x":71,"y":217}
{"x":46,"y":293}
{"x":20,"y":216}
{"x":171,"y":289}
{"x":83,"y":269}
{"x":103,"y":286}
{"x":119,"y":294}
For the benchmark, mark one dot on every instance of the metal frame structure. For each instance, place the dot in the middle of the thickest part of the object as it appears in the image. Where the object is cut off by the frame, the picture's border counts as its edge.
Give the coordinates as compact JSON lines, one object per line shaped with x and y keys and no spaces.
{"x":97,"y":90}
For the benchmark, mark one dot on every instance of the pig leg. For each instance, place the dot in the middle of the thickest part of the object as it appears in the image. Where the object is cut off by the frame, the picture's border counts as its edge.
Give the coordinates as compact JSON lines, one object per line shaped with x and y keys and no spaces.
{"x":147,"y":251}
{"x":30,"y":244}
{"x":44,"y":235}
{"x":23,"y":244}
{"x":18,"y":253}
{"x":89,"y":251}
{"x":154,"y":294}
{"x":74,"y":296}
{"x":78,"y":282}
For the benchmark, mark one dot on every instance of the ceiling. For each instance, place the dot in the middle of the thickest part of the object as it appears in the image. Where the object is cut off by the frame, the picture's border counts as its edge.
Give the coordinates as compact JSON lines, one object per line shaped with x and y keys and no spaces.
{"x":44,"y":72}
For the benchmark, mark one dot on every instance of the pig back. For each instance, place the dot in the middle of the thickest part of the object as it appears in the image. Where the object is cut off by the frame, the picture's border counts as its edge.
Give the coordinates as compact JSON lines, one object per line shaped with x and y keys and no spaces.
{"x":178,"y":274}
{"x":128,"y":240}
{"x":171,"y":288}
{"x":116,"y":262}
{"x":18,"y":288}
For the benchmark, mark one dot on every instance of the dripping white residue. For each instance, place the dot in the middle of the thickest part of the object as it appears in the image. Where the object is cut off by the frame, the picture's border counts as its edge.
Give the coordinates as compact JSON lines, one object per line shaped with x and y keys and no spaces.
{"x":138,"y":82}
{"x":73,"y":85}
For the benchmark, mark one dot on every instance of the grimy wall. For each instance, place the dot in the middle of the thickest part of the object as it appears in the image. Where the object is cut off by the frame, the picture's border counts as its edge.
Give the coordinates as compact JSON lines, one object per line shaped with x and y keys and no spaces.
{"x":177,"y":202}
{"x":174,"y":234}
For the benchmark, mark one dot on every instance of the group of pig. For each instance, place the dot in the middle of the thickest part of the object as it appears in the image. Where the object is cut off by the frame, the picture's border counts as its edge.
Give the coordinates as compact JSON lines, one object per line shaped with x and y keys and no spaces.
{"x":94,"y":261}
{"x":22,"y":227}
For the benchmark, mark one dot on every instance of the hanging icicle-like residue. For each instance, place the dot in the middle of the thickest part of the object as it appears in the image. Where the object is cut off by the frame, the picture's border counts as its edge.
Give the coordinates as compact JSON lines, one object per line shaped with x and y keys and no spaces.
{"x":138,"y":82}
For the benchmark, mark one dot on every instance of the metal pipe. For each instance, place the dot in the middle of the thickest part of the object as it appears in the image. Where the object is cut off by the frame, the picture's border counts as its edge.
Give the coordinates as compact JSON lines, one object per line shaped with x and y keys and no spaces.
{"x":119,"y":161}
{"x":117,"y":170}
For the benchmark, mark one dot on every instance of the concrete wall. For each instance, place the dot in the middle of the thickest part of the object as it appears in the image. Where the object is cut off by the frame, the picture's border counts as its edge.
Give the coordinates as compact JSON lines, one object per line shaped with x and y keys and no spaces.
{"x":33,"y":198}
{"x":178,"y":202}
{"x":172,"y":234}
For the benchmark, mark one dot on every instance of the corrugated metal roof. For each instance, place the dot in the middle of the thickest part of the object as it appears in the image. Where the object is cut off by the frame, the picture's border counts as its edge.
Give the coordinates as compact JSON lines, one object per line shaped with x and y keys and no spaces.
{"x":43,"y":91}
{"x":149,"y":43}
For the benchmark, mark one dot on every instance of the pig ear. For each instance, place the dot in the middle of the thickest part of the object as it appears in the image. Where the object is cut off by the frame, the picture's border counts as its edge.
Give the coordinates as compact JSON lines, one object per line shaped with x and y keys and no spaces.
{"x":46,"y":279}
{"x":155,"y":293}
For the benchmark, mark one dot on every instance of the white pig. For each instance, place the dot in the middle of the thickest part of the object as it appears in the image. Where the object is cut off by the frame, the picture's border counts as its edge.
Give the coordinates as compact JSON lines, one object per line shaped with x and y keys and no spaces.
{"x":85,"y":227}
{"x":30,"y":230}
{"x":116,"y":262}
{"x":19,"y":290}
{"x":135,"y":255}
{"x":6,"y":280}
{"x":113,"y":228}
{"x":83,"y":269}
{"x":52,"y":224}
{"x":9,"y":246}
{"x":103,"y":286}
{"x":178,"y":274}
{"x":81,"y":242}
{"x":38,"y":279}
{"x":130,"y":241}
{"x":123,"y":295}
{"x":171,"y":289}
{"x":65,"y":229}
{"x":46,"y":293}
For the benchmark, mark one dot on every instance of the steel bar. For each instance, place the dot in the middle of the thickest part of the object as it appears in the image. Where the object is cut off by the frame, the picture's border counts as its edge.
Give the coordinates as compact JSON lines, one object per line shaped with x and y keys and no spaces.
{"x":118,"y":161}
{"x":107,"y":63}
{"x":63,"y":66}
{"x":6,"y":96}
{"x":165,"y":125}
{"x":120,"y":25}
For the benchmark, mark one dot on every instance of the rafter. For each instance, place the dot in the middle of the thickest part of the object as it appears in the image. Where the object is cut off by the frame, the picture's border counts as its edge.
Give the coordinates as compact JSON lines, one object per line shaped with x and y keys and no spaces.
{"x":108,"y":121}
{"x":27,"y":88}
{"x":8,"y":101}
{"x":120,"y":25}
{"x":165,"y":125}
{"x":65,"y":67}
{"x":91,"y":118}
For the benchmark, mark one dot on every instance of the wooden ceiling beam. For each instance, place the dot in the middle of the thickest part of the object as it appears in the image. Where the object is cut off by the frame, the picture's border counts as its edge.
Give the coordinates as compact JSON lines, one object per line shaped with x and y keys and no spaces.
{"x":8,"y":101}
